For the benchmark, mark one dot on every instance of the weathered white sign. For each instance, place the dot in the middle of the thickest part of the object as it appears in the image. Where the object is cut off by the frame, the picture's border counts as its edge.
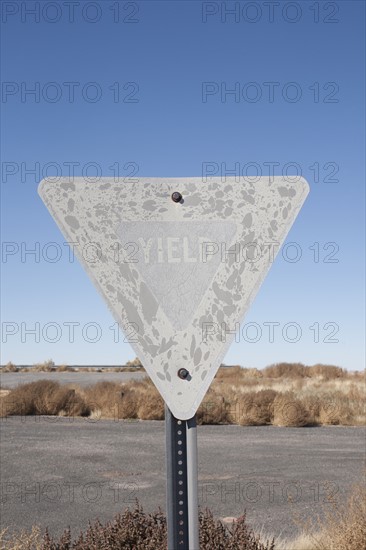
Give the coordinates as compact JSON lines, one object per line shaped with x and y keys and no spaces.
{"x":178,"y":261}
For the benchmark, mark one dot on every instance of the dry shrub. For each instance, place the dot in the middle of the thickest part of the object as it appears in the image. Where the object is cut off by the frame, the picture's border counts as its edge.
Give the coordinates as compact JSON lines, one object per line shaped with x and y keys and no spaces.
{"x":289,"y":411}
{"x":298,"y":370}
{"x":9,"y":367}
{"x":127,"y":405}
{"x":359,"y":375}
{"x":345,"y":524}
{"x":286,"y":370}
{"x":135,"y":363}
{"x":44,"y":397}
{"x":312,"y":404}
{"x":215,"y":535}
{"x":23,"y":540}
{"x":213,"y":410}
{"x":298,"y":384}
{"x":112,"y":400}
{"x":229,"y":372}
{"x":46,"y":366}
{"x":102,"y":395}
{"x":252,"y":373}
{"x":335,"y":410}
{"x":151,"y":406}
{"x":341,"y":526}
{"x":327,"y":372}
{"x":131,"y":400}
{"x":136,"y":529}
{"x":256,"y":408}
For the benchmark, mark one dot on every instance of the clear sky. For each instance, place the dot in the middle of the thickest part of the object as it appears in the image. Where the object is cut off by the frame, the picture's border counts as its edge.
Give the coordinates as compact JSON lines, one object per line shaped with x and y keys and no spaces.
{"x":143,"y":88}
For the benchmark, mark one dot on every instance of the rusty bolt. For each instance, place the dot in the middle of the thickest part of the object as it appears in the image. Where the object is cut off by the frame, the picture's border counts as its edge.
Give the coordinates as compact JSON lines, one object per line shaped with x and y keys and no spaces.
{"x":176,"y":196}
{"x":183,"y":374}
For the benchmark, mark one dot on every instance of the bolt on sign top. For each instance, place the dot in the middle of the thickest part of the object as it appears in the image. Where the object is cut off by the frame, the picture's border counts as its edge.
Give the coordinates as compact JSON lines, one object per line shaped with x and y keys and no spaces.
{"x":178,"y":261}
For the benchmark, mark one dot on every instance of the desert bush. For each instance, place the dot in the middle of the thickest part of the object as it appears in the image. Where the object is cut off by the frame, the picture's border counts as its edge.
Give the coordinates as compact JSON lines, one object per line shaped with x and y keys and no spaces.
{"x":23,"y":540}
{"x":112,"y":400}
{"x":46,"y":366}
{"x":213,"y":410}
{"x":298,"y":370}
{"x":137,"y":530}
{"x":256,"y":408}
{"x":340,"y":526}
{"x":289,"y":411}
{"x":327,"y":372}
{"x":134,"y":363}
{"x":286,"y":370}
{"x":345,"y":524}
{"x":312,"y":403}
{"x":335,"y":409}
{"x":215,"y":535}
{"x":229,"y":372}
{"x":102,"y":394}
{"x":127,"y":406}
{"x":131,"y":400}
{"x":10,"y":367}
{"x":151,"y":406}
{"x":44,"y":397}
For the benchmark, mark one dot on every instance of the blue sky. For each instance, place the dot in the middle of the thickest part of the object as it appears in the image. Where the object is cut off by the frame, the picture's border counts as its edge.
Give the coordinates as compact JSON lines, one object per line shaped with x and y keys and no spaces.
{"x":127,"y":91}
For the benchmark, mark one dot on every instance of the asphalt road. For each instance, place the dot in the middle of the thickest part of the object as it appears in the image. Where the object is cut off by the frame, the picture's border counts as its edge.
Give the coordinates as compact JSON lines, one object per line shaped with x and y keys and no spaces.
{"x":13,"y":379}
{"x":60,"y":472}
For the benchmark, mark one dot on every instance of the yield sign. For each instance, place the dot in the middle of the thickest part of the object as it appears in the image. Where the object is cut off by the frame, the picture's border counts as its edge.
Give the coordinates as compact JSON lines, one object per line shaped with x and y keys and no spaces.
{"x":178,"y":275}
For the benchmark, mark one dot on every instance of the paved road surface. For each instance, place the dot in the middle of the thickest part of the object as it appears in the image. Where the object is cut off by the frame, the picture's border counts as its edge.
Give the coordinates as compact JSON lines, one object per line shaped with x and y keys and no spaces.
{"x":13,"y":379}
{"x":61,"y":472}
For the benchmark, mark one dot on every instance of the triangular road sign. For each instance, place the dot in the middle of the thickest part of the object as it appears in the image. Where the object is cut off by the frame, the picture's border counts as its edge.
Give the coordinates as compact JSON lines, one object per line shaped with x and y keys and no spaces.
{"x":178,"y":275}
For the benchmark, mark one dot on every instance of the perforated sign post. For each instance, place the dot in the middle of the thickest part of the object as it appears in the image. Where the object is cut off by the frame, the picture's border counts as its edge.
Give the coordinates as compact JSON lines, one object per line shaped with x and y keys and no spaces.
{"x":178,"y":261}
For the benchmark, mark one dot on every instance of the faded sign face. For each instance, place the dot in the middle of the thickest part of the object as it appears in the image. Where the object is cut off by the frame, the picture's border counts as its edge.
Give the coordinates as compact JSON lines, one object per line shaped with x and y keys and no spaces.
{"x":177,"y":276}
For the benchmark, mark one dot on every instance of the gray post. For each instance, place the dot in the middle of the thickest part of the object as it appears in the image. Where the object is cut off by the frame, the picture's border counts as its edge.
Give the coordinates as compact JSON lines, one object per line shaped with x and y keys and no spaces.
{"x":192,"y":482}
{"x":177,"y":498}
{"x":182,"y":494}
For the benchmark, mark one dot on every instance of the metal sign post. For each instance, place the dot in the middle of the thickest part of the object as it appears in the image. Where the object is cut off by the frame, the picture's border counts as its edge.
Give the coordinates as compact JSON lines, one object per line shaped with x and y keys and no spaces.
{"x":182,"y":481}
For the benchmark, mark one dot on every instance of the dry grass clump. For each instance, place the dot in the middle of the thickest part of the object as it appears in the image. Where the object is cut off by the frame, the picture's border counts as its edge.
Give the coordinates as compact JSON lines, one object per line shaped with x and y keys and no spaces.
{"x":135,"y":363}
{"x":345,"y":524}
{"x":341,"y":526}
{"x":215,"y":535}
{"x":327,"y":372}
{"x":289,"y":411}
{"x":23,"y":540}
{"x":105,"y":400}
{"x":298,"y":370}
{"x":229,"y":372}
{"x":46,"y":366}
{"x":136,"y":529}
{"x":335,"y":411}
{"x":44,"y":397}
{"x":131,"y":400}
{"x":150,"y":405}
{"x":256,"y":408}
{"x":286,"y":370}
{"x":213,"y":410}
{"x":237,"y":373}
{"x":9,"y":367}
